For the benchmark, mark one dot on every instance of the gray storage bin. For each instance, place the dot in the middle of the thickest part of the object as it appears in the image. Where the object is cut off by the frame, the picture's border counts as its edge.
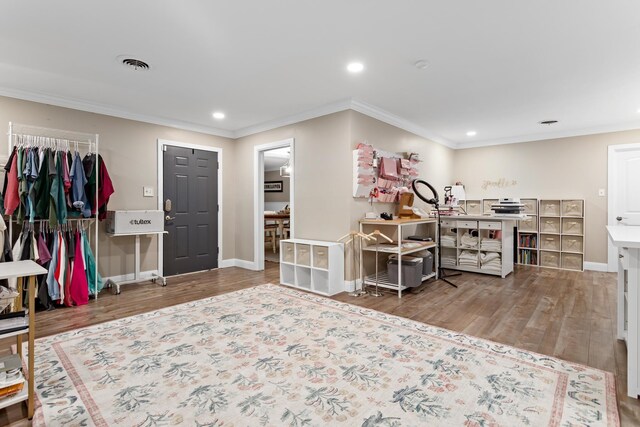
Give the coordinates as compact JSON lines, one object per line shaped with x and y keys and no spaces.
{"x":427,"y":261}
{"x":411,"y":271}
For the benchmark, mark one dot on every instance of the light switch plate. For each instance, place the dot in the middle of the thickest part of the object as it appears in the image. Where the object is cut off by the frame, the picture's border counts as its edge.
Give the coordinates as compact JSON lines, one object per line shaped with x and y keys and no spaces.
{"x":147,"y":191}
{"x":601,"y":192}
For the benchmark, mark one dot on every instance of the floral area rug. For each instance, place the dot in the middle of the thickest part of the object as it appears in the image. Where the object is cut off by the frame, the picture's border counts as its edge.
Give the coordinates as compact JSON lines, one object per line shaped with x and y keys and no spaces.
{"x":273,"y":356}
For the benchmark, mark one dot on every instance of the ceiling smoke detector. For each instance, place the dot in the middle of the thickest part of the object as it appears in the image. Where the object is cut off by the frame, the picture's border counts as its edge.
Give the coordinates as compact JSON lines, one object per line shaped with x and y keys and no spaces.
{"x":136,"y":64}
{"x":548,"y":122}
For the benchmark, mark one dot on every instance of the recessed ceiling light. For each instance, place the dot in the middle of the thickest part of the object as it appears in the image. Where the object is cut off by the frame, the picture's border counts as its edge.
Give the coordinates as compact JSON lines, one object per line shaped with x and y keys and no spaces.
{"x":421,"y":64}
{"x":218,"y":115}
{"x":471,"y":133}
{"x":548,"y":122}
{"x":638,"y":110}
{"x":355,"y":67}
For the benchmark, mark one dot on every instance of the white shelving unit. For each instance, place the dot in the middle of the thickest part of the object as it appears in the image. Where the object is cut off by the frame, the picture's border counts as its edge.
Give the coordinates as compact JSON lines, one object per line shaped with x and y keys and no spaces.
{"x":396,"y":229}
{"x":24,"y":269}
{"x":528,"y":233}
{"x":562,"y":233}
{"x":312,"y":265}
{"x":483,"y":225}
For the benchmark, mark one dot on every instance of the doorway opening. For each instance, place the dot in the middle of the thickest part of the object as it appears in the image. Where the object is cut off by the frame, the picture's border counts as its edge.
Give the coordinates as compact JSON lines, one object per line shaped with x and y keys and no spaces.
{"x":274,"y":190}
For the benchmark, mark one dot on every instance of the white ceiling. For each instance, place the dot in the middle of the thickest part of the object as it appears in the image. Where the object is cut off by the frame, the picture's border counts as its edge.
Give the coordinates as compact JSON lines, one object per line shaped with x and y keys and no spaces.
{"x":273,"y":159}
{"x":496,"y":66}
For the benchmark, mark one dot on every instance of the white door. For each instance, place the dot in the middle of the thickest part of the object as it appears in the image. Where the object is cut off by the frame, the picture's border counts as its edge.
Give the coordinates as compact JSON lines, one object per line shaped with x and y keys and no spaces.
{"x":624,"y":190}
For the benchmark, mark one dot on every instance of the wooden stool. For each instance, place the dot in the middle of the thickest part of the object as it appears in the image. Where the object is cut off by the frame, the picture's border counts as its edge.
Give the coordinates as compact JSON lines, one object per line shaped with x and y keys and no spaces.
{"x":271,"y":235}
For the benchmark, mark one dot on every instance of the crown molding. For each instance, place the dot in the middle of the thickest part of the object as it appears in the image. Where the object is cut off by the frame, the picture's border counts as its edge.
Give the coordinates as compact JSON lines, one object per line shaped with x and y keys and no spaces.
{"x":619,"y":127}
{"x":91,"y":107}
{"x":399,"y":122}
{"x":324,"y":110}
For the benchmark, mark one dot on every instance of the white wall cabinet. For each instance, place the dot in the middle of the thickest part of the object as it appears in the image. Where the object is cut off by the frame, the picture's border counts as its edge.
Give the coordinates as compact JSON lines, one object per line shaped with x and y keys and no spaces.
{"x":312,"y":265}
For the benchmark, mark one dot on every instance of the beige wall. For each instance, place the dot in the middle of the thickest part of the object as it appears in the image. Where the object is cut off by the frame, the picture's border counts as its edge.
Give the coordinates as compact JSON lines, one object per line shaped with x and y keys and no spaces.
{"x":573,"y":167}
{"x":324,"y":208}
{"x":129,"y":150}
{"x":270,"y":196}
{"x":322,"y":168}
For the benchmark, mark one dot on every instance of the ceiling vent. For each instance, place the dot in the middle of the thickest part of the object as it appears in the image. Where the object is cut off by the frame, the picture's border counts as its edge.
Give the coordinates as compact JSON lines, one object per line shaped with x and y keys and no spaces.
{"x":135,"y":64}
{"x":548,"y":122}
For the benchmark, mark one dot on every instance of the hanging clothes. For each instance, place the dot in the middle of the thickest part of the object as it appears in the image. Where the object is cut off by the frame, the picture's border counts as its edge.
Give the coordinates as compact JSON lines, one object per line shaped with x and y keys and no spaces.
{"x":52,"y":284}
{"x":42,"y":187}
{"x":105,"y":185}
{"x":79,"y":181}
{"x":11,"y":196}
{"x":90,"y":265}
{"x":79,"y":283}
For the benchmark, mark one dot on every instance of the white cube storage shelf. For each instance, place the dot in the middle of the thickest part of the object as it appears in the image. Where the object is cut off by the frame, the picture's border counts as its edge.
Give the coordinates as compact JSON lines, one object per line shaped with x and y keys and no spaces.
{"x":562,"y":234}
{"x":313,"y":265}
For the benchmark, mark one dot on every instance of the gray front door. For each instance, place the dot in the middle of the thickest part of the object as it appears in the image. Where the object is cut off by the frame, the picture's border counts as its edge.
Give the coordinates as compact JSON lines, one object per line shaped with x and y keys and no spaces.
{"x":191,"y":215}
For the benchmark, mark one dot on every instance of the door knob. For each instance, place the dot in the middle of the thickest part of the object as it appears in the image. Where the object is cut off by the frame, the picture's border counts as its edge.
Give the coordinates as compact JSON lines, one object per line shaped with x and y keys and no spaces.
{"x":169,"y":218}
{"x":620,"y":218}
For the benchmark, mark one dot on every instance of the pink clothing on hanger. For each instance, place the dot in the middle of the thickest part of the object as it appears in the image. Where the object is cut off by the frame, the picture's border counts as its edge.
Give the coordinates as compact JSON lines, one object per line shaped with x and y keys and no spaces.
{"x":12,"y":198}
{"x":79,"y":288}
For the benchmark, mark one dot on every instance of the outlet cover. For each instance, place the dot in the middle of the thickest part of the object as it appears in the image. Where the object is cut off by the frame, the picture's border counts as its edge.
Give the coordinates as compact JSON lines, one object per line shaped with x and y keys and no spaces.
{"x":147,"y":191}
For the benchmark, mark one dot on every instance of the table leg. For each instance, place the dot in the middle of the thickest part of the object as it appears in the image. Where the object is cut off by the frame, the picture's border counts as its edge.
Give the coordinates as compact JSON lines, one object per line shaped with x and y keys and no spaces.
{"x":32,"y":333}
{"x":19,"y":306}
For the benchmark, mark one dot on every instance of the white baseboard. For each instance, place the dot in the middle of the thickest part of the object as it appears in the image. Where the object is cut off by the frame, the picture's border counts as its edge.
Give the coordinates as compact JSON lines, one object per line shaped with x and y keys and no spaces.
{"x":241,"y":263}
{"x":596,"y":266}
{"x":144,"y":275}
{"x":352,"y":285}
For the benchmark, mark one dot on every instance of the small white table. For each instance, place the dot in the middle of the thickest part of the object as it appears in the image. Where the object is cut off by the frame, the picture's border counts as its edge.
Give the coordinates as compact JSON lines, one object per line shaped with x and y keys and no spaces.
{"x":627,"y":240}
{"x":136,"y":255}
{"x":30,"y":269}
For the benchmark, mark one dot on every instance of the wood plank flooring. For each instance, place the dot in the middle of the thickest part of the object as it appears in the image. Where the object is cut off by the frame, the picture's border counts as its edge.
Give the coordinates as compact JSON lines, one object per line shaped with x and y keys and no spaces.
{"x":569,"y":315}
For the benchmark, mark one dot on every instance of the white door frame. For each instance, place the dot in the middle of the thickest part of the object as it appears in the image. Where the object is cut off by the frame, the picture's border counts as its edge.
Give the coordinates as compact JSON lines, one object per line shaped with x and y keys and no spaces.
{"x":612,"y":259}
{"x":258,"y":196}
{"x":218,"y":150}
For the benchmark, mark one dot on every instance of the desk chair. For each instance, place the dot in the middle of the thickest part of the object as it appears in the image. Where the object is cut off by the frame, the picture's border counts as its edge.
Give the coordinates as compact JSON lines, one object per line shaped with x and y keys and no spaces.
{"x":271,"y":235}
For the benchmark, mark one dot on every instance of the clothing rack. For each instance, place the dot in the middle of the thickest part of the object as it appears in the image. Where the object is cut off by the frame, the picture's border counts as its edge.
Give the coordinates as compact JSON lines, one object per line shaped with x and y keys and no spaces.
{"x":39,"y":136}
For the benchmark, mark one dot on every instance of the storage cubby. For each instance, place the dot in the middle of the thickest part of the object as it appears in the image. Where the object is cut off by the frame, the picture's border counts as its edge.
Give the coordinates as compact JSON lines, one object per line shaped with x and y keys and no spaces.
{"x":572,"y":244}
{"x":320,"y":281}
{"x":550,"y":225}
{"x":474,"y":207}
{"x":288,"y":253}
{"x":550,"y":259}
{"x":486,"y":205}
{"x":312,"y":265}
{"x":449,"y":257}
{"x":528,"y":225}
{"x":320,"y":257}
{"x":550,"y":242}
{"x":572,"y":226}
{"x":549,"y":207}
{"x":303,"y":277}
{"x":303,"y":254}
{"x":530,"y":206}
{"x":527,"y":257}
{"x":572,"y":261}
{"x":287,"y":274}
{"x":573,"y":208}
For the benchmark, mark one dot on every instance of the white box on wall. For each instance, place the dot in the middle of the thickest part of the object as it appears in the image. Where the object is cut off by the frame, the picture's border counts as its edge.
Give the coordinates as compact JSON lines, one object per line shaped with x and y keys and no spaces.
{"x":134,"y":222}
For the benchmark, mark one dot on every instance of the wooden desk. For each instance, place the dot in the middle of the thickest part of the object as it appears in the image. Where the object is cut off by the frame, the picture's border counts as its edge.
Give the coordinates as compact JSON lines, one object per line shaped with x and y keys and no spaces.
{"x":23,"y":269}
{"x":278,"y":219}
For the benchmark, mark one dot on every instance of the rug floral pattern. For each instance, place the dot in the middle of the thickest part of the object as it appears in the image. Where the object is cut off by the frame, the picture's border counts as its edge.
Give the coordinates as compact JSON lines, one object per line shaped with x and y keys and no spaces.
{"x":272,"y":356}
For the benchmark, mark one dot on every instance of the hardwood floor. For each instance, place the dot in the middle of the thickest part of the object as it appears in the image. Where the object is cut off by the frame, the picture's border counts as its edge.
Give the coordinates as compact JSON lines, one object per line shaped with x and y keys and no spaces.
{"x":569,"y":315}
